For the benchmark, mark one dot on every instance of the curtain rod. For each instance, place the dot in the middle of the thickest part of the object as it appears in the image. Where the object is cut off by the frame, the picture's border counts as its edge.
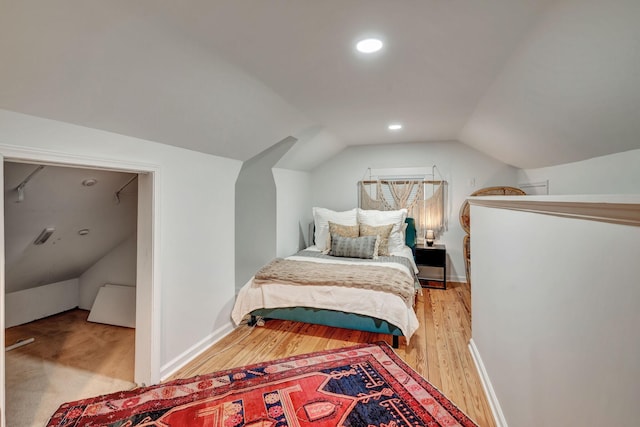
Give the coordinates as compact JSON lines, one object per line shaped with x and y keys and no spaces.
{"x":402,"y":180}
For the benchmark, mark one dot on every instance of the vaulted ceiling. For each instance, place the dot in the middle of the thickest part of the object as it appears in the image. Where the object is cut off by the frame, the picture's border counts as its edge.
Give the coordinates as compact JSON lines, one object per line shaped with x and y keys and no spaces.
{"x":530,"y":82}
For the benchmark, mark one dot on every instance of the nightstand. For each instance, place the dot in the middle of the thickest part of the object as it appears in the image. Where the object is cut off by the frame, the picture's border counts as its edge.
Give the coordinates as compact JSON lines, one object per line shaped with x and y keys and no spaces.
{"x":429,"y":258}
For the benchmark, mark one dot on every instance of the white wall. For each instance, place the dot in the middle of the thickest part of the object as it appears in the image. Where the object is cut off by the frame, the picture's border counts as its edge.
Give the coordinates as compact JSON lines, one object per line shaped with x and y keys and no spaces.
{"x":293,"y":210}
{"x":36,"y":303}
{"x":334,"y":184}
{"x":256,"y":211}
{"x":196,"y":223}
{"x":117,"y":267}
{"x":555,"y":315}
{"x":612,"y":174}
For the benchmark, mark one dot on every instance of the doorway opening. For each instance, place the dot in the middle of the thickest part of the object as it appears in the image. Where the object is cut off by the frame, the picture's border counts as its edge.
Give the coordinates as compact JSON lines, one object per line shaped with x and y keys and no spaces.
{"x":70,"y":276}
{"x":146,"y":364}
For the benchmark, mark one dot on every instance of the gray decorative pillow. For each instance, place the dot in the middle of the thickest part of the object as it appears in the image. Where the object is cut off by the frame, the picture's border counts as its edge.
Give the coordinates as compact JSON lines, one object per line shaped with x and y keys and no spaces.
{"x":353,"y":247}
{"x":342,"y":230}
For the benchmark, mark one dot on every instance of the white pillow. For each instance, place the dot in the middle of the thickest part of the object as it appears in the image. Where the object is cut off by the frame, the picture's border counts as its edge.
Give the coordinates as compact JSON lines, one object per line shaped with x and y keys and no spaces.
{"x":377,"y":218}
{"x":321,"y":218}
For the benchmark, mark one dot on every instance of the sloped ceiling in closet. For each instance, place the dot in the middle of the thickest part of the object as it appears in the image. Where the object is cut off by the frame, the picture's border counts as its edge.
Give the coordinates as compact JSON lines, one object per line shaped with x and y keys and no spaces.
{"x":55,"y":197}
{"x":530,"y":82}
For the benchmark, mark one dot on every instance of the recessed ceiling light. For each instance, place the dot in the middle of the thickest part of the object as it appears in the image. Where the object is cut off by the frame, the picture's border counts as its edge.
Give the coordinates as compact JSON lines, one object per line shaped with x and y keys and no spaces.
{"x":369,"y":45}
{"x":395,"y":126}
{"x":83,"y":232}
{"x":89,"y":182}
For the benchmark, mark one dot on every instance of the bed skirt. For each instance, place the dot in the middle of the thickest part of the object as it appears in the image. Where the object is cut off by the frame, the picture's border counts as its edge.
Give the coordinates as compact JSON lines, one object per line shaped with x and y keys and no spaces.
{"x":334,"y":318}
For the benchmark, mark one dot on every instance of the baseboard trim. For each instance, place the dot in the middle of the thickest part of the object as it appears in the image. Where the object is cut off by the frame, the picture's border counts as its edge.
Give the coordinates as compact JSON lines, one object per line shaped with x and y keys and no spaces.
{"x":458,"y":279}
{"x":496,"y":410}
{"x":194,"y":351}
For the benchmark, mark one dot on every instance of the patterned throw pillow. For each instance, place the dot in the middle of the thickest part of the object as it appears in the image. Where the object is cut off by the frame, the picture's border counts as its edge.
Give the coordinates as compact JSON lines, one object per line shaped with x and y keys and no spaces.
{"x":383,"y":231}
{"x":340,"y":230}
{"x":344,"y":230}
{"x":353,"y":247}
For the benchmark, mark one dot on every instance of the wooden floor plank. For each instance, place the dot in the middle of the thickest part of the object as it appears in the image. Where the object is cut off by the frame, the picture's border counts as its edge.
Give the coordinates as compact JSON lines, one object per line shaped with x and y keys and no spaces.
{"x":433,"y":359}
{"x":416,"y":352}
{"x":447,"y":378}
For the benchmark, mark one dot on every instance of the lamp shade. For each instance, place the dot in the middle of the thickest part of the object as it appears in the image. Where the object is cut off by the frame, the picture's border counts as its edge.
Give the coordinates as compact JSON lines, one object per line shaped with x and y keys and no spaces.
{"x":429,"y":237}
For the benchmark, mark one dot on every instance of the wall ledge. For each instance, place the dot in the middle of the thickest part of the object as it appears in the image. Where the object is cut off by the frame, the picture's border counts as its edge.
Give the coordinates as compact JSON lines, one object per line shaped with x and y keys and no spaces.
{"x":623,"y":209}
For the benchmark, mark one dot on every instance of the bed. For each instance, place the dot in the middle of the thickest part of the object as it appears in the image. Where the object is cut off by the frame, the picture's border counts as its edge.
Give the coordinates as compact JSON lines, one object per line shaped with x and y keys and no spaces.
{"x":320,"y":285}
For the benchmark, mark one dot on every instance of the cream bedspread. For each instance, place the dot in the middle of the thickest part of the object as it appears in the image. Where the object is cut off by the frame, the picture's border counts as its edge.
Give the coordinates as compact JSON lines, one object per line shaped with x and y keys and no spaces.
{"x":368,"y":302}
{"x":308,"y":273}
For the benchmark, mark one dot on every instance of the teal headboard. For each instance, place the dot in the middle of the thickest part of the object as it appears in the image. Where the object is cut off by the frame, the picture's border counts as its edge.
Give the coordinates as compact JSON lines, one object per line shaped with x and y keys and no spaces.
{"x":410,"y":235}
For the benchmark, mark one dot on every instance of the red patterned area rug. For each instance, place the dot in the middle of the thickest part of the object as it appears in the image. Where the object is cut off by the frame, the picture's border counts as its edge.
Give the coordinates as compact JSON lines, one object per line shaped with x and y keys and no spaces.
{"x":365,"y":385}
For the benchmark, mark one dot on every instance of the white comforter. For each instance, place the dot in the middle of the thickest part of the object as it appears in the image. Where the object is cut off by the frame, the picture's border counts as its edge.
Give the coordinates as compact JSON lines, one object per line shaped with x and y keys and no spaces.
{"x":352,"y":300}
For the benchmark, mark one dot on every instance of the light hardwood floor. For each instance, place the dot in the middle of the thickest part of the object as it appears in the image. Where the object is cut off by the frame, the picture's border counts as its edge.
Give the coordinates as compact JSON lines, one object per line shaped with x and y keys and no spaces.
{"x":438,"y":350}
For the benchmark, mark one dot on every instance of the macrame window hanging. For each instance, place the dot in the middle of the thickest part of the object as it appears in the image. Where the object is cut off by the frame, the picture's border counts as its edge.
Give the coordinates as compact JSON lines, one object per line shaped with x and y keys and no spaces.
{"x":423,"y":199}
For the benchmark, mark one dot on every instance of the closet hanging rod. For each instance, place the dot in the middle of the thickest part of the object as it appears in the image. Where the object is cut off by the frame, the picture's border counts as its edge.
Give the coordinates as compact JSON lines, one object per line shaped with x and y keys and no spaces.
{"x":20,"y":187}
{"x":123,"y":187}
